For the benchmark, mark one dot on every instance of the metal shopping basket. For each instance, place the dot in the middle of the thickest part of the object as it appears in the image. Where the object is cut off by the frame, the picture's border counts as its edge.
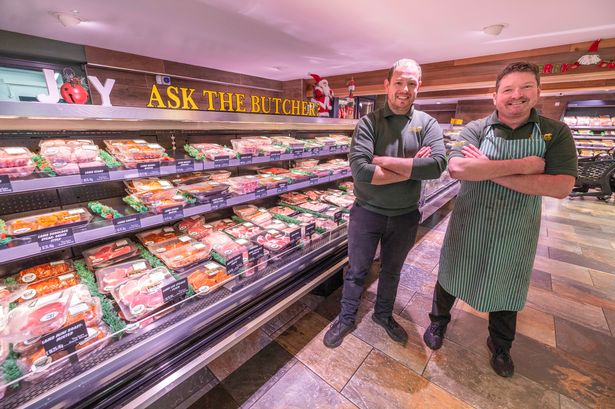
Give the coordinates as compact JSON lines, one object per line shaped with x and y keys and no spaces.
{"x":598,"y":174}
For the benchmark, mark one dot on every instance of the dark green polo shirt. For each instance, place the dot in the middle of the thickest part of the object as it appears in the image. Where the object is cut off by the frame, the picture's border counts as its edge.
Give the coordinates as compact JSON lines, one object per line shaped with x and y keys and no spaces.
{"x":561,"y":152}
{"x":383,"y":133}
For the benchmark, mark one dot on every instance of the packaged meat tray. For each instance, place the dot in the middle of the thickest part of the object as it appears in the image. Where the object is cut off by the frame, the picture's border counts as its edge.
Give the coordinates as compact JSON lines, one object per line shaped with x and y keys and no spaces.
{"x":48,"y":286}
{"x":272,"y":171}
{"x":272,"y":240}
{"x":219,"y":175}
{"x":228,"y":249}
{"x":244,"y":211}
{"x":260,"y":140}
{"x":134,"y":150}
{"x":283,"y":210}
{"x":83,"y":306}
{"x":205,"y":190}
{"x":306,"y":163}
{"x":195,"y":226}
{"x":208,"y":277}
{"x":110,"y":277}
{"x":147,"y":185}
{"x":326,"y":140}
{"x":63,"y":151}
{"x":243,"y":185}
{"x":339,"y":200}
{"x":158,"y":206}
{"x":19,"y":172}
{"x":244,"y":230}
{"x":245,"y":146}
{"x":15,"y":157}
{"x":321,"y":171}
{"x":40,"y":316}
{"x":190,"y":178}
{"x":151,"y":237}
{"x":44,"y":271}
{"x":276,"y":224}
{"x":259,"y":217}
{"x":314,"y":206}
{"x":185,"y":256}
{"x":213,"y":151}
{"x":142,"y":295}
{"x":314,"y":195}
{"x":295,"y":177}
{"x":346,"y":186}
{"x":340,"y":139}
{"x":69,"y":168}
{"x":254,"y":265}
{"x":222,"y":224}
{"x":179,"y":241}
{"x":217,"y":240}
{"x":271,"y":182}
{"x":294,"y":198}
{"x":110,"y":253}
{"x":39,"y":223}
{"x":267,"y":150}
{"x":288,"y":142}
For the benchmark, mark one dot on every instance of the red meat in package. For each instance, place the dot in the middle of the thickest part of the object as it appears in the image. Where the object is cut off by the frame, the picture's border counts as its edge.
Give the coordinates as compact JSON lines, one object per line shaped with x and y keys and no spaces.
{"x":110,"y":277}
{"x":108,"y":254}
{"x":140,"y":296}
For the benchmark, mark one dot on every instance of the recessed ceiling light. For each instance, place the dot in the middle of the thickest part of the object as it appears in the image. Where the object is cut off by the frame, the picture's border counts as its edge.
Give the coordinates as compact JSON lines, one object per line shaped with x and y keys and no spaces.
{"x":68,"y":20}
{"x":494,"y":29}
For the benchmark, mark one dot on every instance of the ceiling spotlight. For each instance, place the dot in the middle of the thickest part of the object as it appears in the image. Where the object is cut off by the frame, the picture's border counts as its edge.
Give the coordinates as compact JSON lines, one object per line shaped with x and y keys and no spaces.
{"x":68,"y":20}
{"x":494,"y":29}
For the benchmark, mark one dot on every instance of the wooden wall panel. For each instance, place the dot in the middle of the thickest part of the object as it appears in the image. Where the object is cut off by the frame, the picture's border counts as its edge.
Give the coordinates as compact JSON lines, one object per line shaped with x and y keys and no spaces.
{"x":95,"y":55}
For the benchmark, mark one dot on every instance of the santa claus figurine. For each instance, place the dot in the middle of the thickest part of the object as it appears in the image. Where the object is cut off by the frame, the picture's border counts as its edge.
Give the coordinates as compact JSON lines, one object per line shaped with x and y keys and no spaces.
{"x":323,"y":95}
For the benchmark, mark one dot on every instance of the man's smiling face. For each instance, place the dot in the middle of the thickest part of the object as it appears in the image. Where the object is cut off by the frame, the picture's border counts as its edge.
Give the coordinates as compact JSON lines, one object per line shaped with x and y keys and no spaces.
{"x":516,"y":95}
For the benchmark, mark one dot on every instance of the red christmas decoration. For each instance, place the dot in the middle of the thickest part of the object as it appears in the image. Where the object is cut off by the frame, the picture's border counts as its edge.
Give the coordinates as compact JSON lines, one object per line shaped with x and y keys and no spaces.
{"x":73,"y":92}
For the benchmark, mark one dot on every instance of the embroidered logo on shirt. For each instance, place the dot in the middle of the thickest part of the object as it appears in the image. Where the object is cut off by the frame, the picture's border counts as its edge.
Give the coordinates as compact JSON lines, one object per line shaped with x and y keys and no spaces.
{"x":547,"y":137}
{"x":417,"y":129}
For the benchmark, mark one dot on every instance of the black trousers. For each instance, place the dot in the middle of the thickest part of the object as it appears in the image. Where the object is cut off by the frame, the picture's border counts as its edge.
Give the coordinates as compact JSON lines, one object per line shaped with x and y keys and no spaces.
{"x":396,"y":235}
{"x":502,"y":324}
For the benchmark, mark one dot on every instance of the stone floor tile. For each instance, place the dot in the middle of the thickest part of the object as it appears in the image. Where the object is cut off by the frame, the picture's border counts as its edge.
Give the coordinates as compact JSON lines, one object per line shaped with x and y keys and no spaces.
{"x":587,"y":294}
{"x":418,"y":309}
{"x":584,"y":314}
{"x":305,"y":340}
{"x":382,"y":382}
{"x":218,"y":398}
{"x":417,"y":279}
{"x":424,"y":255}
{"x":593,"y":259}
{"x":610,"y":318}
{"x":566,"y":403}
{"x":540,"y":279}
{"x":469,"y":376}
{"x":602,"y":280}
{"x":563,"y":269}
{"x":413,"y":355}
{"x":301,"y":388}
{"x":592,"y":346}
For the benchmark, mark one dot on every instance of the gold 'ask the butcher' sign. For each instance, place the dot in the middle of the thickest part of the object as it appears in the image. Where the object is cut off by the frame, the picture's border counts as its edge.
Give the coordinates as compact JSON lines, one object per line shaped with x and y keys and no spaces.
{"x":186,"y":98}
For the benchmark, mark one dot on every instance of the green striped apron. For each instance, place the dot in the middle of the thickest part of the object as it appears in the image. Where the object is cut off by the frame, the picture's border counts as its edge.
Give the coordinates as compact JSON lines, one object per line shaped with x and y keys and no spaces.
{"x":490,"y":244}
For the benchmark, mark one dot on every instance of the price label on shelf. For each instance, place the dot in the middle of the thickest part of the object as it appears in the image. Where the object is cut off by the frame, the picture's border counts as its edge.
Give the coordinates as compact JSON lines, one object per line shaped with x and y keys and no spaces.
{"x":337,"y":217}
{"x":274,"y":157}
{"x":245,"y":159}
{"x":315,"y":150}
{"x":64,"y":338}
{"x":260,"y":192}
{"x":234,"y":264}
{"x":256,"y":253}
{"x":175,"y":290}
{"x":95,"y":174}
{"x":313,"y":180}
{"x":218,"y":202}
{"x":333,"y":148}
{"x":297,"y":153}
{"x":173,"y":213}
{"x":295,"y":236}
{"x":55,"y":239}
{"x":148,"y":169}
{"x":344,"y":172}
{"x":221,"y":162}
{"x":124,"y":224}
{"x":5,"y":184}
{"x":282,"y":187}
{"x":310,"y":229}
{"x":184,"y":165}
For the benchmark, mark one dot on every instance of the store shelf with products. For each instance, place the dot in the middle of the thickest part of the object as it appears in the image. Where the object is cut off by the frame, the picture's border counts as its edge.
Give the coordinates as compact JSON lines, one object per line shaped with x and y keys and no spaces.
{"x":276,"y":266}
{"x":593,"y":126}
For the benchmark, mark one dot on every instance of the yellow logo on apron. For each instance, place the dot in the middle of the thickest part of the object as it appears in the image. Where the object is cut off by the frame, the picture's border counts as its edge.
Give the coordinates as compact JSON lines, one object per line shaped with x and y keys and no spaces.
{"x":547,"y":137}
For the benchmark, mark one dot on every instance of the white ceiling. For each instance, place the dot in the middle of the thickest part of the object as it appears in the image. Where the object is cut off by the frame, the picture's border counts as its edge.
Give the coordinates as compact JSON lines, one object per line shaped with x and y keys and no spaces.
{"x":287,"y":39}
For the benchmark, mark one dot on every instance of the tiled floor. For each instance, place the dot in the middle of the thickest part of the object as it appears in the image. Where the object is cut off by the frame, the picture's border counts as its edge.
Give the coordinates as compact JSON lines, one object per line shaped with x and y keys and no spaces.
{"x":564,"y":352}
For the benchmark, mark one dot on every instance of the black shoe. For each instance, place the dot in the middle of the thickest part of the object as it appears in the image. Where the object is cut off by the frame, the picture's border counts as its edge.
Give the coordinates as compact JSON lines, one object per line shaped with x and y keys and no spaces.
{"x":434,"y":335}
{"x":501,"y":362}
{"x":395,"y":331}
{"x":336,"y":333}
